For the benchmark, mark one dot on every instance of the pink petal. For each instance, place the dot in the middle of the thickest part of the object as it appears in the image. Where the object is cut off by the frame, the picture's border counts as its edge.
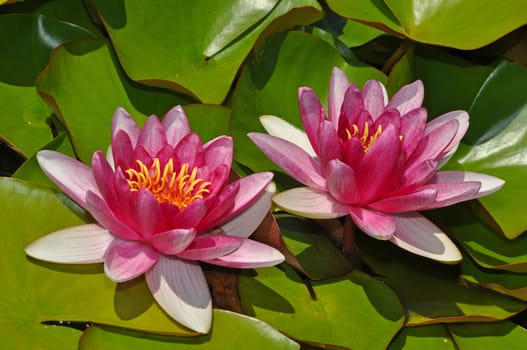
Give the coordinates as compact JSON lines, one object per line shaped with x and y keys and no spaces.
{"x":149,"y":218}
{"x":432,"y":145}
{"x":218,"y":152}
{"x":489,"y":184}
{"x":282,"y":129}
{"x":126,"y":260}
{"x":152,"y":137}
{"x":406,"y":202}
{"x":122,"y":150}
{"x":352,"y":152}
{"x":190,"y":216}
{"x":291,"y":159}
{"x":312,"y":114}
{"x":249,"y":190}
{"x":418,"y":235}
{"x":246,"y":223}
{"x":374,"y":223}
{"x":86,"y":244}
{"x":180,"y":288}
{"x":72,"y":176}
{"x":375,"y":97}
{"x":463,"y":122}
{"x":310,"y":203}
{"x":337,"y":89}
{"x":176,"y":125}
{"x":208,"y":247}
{"x":190,"y":150}
{"x":419,"y":174}
{"x":353,"y":106}
{"x":341,"y":182}
{"x":453,"y":192}
{"x":173,"y":241}
{"x":250,"y":254}
{"x":122,"y":121}
{"x":104,"y":176}
{"x":408,"y":97}
{"x":378,"y":172}
{"x":329,"y":143}
{"x":104,"y":216}
{"x":412,"y":126}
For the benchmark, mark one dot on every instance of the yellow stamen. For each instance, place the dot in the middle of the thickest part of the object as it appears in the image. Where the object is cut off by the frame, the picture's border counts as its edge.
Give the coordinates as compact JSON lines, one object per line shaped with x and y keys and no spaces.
{"x":168,"y":186}
{"x":365,"y":139}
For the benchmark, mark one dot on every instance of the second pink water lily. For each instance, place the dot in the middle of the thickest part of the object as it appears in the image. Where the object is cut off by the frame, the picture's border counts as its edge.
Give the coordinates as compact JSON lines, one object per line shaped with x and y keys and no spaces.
{"x":162,"y":205}
{"x":375,"y":160}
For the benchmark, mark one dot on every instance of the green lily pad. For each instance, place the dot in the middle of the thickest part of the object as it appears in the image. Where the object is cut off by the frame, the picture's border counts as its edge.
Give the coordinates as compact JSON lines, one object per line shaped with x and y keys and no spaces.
{"x":356,"y":34}
{"x":319,"y":258}
{"x":488,"y":336}
{"x":35,"y":291}
{"x":339,"y":314}
{"x":87,"y":109}
{"x":432,"y":337}
{"x":486,"y":246}
{"x":270,"y":81}
{"x":195,"y":47}
{"x":504,"y":282}
{"x":30,"y":170}
{"x":27,"y":43}
{"x":430,"y":291}
{"x":444,"y":22}
{"x":229,"y":331}
{"x":209,"y":121}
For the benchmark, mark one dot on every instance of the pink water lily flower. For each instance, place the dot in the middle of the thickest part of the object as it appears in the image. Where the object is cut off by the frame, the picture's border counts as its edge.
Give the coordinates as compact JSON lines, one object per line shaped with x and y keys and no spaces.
{"x":375,"y":160}
{"x":162,"y":204}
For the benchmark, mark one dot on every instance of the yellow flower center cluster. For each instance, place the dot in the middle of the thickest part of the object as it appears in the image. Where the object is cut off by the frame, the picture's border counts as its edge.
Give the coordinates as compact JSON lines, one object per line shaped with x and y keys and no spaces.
{"x":167,"y":185}
{"x":366,"y":139}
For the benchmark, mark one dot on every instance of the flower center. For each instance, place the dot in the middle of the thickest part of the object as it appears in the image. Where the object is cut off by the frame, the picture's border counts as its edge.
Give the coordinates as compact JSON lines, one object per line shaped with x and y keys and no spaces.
{"x":168,"y":186}
{"x":366,"y":139}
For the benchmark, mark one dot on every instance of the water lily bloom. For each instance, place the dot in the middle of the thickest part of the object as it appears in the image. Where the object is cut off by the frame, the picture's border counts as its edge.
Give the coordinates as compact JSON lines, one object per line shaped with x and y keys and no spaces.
{"x":162,"y":204}
{"x":375,"y":160}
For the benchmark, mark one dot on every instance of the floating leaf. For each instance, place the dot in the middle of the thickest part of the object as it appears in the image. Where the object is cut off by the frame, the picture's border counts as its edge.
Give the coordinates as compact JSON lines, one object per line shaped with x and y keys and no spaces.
{"x":430,"y":291}
{"x":432,"y":337}
{"x":439,"y":22}
{"x":195,"y":47}
{"x":87,"y":111}
{"x":346,"y":307}
{"x":489,"y":336}
{"x":229,"y":331}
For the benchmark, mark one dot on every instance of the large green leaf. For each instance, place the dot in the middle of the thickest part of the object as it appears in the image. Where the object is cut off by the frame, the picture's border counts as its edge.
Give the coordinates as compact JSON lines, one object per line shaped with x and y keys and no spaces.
{"x":317,"y":255}
{"x":502,"y":107}
{"x":230,"y":331}
{"x":269,"y":85}
{"x":505,"y":282}
{"x":430,"y":291}
{"x":432,"y":337}
{"x":340,"y":313}
{"x":87,"y":109}
{"x":26,"y":44}
{"x":195,"y":47}
{"x":35,"y":291}
{"x":461,"y":24}
{"x":490,"y":336}
{"x":486,"y":246}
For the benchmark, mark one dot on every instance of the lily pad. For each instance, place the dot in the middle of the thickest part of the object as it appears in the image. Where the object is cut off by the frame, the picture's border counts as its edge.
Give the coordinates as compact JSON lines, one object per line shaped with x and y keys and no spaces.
{"x":430,"y":291}
{"x":87,"y":111}
{"x":504,"y":282}
{"x":490,"y":336}
{"x":195,"y":47}
{"x":438,"y":22}
{"x":270,"y":81}
{"x":486,"y":246}
{"x":346,"y":307}
{"x":63,"y":292}
{"x":432,"y":337}
{"x":318,"y":257}
{"x":249,"y":333}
